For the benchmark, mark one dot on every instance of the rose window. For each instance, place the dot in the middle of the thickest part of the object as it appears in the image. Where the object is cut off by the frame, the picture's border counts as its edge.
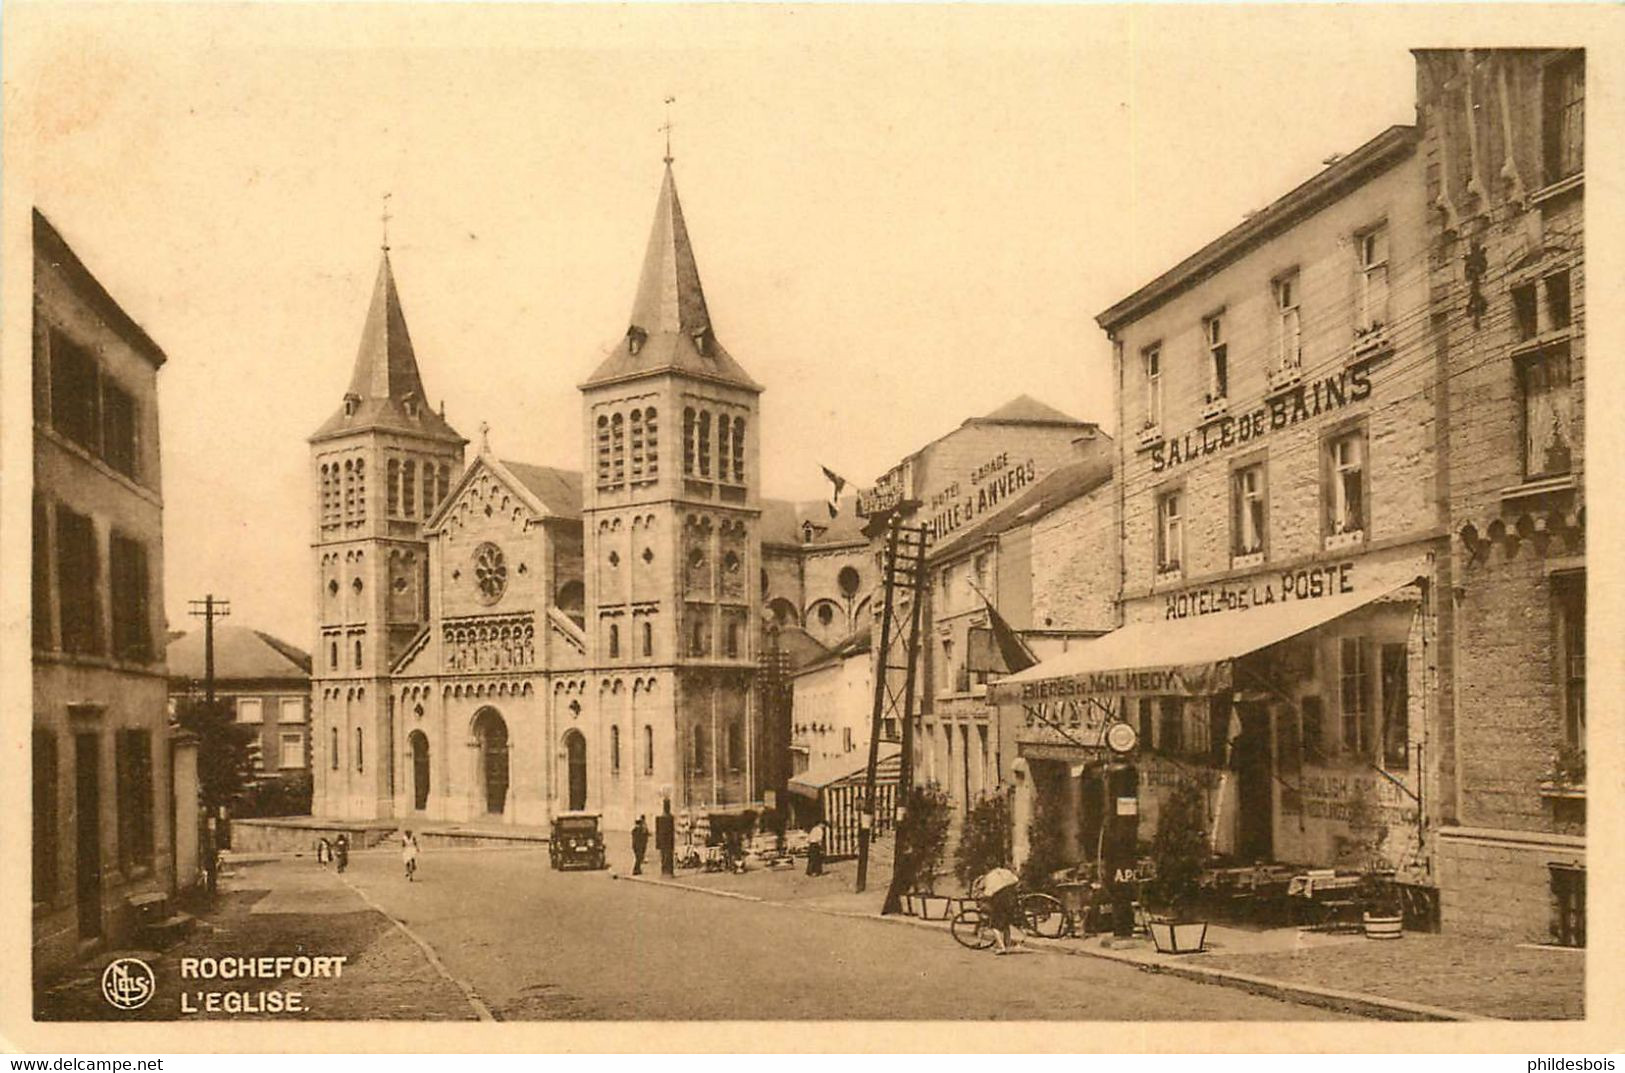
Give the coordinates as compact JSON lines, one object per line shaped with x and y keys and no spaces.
{"x":490,"y":572}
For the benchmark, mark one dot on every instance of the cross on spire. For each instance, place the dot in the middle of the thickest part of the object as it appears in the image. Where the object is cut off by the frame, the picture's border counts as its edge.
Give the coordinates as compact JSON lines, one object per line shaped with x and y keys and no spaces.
{"x":667,"y":126}
{"x":384,"y":218}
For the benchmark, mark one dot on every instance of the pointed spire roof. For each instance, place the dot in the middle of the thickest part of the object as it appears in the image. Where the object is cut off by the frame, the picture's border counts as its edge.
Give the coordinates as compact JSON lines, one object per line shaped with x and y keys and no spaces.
{"x":670,"y":327}
{"x":386,"y":389}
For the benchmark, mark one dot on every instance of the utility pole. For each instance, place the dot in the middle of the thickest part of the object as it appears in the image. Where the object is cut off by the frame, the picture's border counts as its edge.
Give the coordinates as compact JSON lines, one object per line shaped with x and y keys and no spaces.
{"x":866,"y":818}
{"x":916,"y":542}
{"x":208,"y":609}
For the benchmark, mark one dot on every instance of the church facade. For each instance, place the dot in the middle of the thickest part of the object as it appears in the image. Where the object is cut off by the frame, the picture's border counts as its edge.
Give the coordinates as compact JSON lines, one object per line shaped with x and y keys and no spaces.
{"x":501,"y":642}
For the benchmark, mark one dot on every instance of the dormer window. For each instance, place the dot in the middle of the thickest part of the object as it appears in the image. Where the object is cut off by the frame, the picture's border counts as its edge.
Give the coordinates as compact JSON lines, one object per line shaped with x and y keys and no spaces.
{"x":410,"y":403}
{"x":635,"y":338}
{"x":352,"y":402}
{"x":700,"y":338}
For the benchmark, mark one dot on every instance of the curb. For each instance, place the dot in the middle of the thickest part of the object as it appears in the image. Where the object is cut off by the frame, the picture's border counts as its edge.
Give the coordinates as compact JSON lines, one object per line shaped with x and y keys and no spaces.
{"x":1366,"y":1005}
{"x":482,"y":1012}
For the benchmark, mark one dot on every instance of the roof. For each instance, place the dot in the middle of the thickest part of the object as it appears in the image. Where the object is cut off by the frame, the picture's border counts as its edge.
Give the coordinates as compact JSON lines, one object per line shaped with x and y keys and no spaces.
{"x":782,"y":521}
{"x":858,"y":644}
{"x":558,"y":489}
{"x":1189,"y":650}
{"x":852,"y":765}
{"x":240,"y":654}
{"x":1026,"y":410}
{"x":386,"y":388}
{"x":800,"y":647}
{"x":670,"y":328}
{"x":51,"y":247}
{"x":1054,"y":490}
{"x":1308,"y":197}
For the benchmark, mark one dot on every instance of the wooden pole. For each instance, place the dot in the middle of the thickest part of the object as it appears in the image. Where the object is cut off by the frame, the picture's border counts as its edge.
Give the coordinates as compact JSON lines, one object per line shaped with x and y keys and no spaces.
{"x":905,"y":779}
{"x":866,"y":816}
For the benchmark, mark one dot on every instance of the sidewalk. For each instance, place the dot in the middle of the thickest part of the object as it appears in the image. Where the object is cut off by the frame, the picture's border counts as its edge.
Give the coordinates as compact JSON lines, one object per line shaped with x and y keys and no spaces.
{"x":1420,"y":977}
{"x":285,"y":907}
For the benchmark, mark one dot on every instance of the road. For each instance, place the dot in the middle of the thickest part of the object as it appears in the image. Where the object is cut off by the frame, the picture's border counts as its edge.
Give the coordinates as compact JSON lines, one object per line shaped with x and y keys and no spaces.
{"x":538,"y":945}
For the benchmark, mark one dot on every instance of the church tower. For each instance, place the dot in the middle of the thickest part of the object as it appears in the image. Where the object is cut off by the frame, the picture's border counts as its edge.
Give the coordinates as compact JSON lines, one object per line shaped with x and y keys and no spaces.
{"x":672,"y":549}
{"x":379,"y":467}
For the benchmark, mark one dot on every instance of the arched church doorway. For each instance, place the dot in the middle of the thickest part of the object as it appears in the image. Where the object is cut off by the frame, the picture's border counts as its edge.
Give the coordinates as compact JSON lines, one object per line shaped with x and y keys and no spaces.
{"x":575,"y":755}
{"x":420,"y":769}
{"x":491,"y":736}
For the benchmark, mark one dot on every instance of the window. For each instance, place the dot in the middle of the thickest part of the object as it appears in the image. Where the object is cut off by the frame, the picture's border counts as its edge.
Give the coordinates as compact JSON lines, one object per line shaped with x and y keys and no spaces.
{"x":846,"y":739}
{"x":1248,"y":510}
{"x":637,"y":444}
{"x":1170,"y":726}
{"x":614,"y":750}
{"x":409,"y":482}
{"x":690,"y":446}
{"x":1548,"y":411}
{"x":1570,"y":591}
{"x":617,"y":451}
{"x":1372,"y":310}
{"x":1288,"y":325}
{"x":651,"y":439}
{"x":736,"y":753}
{"x":1218,"y":359}
{"x":358,"y":653}
{"x":132,"y":627}
{"x":947,"y":680}
{"x":75,"y":398}
{"x":1525,"y":312}
{"x":725,"y":431}
{"x":1396,"y":731}
{"x":648,"y":749}
{"x":739,"y":450}
{"x":1170,"y":532}
{"x":291,"y":711}
{"x":1542,"y":307}
{"x":77,"y":582}
{"x":250,"y":710}
{"x":614,"y":641}
{"x":45,"y":815}
{"x":333,"y":748}
{"x":393,"y":491}
{"x":705,"y":443}
{"x":332,"y":655}
{"x":293,"y":751}
{"x":648,"y":639}
{"x":443,"y":484}
{"x":41,"y":614}
{"x":1345,"y":499}
{"x":1354,"y":688}
{"x":360,"y":755}
{"x":118,"y":428}
{"x":603,"y":451}
{"x":696,"y":641}
{"x":1563,"y":117}
{"x":1151,"y":364}
{"x":731,"y":641}
{"x":133,"y":770}
{"x":699,"y":748}
{"x":428,"y":490}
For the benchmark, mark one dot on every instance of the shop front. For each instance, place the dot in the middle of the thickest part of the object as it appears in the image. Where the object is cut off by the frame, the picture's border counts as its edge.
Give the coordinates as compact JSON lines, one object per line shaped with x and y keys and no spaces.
{"x":1294,"y":701}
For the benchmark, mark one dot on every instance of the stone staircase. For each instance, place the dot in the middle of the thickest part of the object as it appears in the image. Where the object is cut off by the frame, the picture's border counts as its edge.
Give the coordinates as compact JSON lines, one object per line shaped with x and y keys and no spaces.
{"x":155,"y":925}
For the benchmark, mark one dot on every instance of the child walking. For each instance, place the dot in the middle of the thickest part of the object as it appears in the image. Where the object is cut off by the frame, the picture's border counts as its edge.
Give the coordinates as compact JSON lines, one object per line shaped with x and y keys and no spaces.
{"x":409,"y":854}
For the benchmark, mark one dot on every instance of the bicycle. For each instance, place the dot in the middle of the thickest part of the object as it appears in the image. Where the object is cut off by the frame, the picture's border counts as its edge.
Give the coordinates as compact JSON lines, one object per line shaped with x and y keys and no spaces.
{"x":1040,"y":914}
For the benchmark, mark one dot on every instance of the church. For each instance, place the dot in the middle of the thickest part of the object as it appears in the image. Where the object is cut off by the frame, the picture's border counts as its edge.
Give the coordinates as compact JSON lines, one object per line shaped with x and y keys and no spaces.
{"x":500,"y":642}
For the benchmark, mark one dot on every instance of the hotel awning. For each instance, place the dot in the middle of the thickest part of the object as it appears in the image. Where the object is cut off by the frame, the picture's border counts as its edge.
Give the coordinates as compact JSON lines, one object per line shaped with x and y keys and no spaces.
{"x":1189,"y":650}
{"x":852,"y":767}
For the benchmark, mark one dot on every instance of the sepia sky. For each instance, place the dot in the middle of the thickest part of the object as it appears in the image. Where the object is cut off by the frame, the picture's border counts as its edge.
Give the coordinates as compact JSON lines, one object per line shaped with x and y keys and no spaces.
{"x":902,"y":217}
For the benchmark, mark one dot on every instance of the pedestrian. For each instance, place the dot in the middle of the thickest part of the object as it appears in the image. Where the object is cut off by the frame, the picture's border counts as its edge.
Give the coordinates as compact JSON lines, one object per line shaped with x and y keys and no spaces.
{"x":815,"y":849}
{"x":341,"y":852}
{"x":640,"y":845}
{"x":409,"y":854}
{"x":999,"y":889}
{"x":324,"y":851}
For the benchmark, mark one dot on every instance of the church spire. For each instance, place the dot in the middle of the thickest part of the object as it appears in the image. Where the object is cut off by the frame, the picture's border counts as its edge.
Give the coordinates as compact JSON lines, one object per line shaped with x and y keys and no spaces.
{"x":670,"y":326}
{"x":385,"y":365}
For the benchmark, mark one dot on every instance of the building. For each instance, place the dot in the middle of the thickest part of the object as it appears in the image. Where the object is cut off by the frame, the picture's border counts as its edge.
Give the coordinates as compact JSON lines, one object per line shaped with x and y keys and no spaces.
{"x":1282,"y":530}
{"x":1502,"y":136}
{"x":507,"y":641}
{"x":105,"y":808}
{"x":833,"y":704}
{"x":263,"y":680}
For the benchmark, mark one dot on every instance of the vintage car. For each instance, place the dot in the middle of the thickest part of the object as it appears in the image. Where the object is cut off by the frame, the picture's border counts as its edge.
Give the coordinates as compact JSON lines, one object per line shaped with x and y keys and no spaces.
{"x":576,"y":841}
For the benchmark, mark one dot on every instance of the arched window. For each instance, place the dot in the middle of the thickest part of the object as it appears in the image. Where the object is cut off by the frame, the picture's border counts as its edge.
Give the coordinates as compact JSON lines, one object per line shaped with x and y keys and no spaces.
{"x":428,"y":489}
{"x":699,"y":748}
{"x":360,"y":756}
{"x":696,"y":642}
{"x":724,"y":445}
{"x":614,"y":641}
{"x":739,"y":450}
{"x":648,"y":749}
{"x":690,"y":446}
{"x":444,"y":483}
{"x":615,"y":750}
{"x":637,"y":445}
{"x":349,"y":489}
{"x":705,"y":443}
{"x":648,"y":639}
{"x":734,"y":751}
{"x":360,"y":490}
{"x":617,"y":443}
{"x":393,"y":470}
{"x":333,"y":654}
{"x":333,"y":749}
{"x":603,"y":452}
{"x":651,"y":444}
{"x":732,"y":641}
{"x":409,"y":482}
{"x":358,"y":653}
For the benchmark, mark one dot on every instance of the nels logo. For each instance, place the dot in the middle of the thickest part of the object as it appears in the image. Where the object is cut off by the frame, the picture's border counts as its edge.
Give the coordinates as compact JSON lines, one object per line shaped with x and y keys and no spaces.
{"x":128,"y":983}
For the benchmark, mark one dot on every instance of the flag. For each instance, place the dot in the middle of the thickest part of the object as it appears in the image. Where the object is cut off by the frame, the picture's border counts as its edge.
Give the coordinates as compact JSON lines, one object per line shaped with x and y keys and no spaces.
{"x":1012,"y":649}
{"x":836,"y":482}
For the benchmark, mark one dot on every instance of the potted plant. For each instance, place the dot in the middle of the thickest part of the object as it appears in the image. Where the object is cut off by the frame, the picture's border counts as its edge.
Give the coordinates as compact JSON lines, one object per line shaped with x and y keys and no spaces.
{"x":922,"y":839}
{"x":1382,"y":916}
{"x":1178,"y":852}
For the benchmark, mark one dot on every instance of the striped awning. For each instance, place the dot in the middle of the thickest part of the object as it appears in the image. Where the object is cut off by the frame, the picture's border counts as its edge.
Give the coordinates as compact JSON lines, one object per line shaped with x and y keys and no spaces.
{"x":848,"y":769}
